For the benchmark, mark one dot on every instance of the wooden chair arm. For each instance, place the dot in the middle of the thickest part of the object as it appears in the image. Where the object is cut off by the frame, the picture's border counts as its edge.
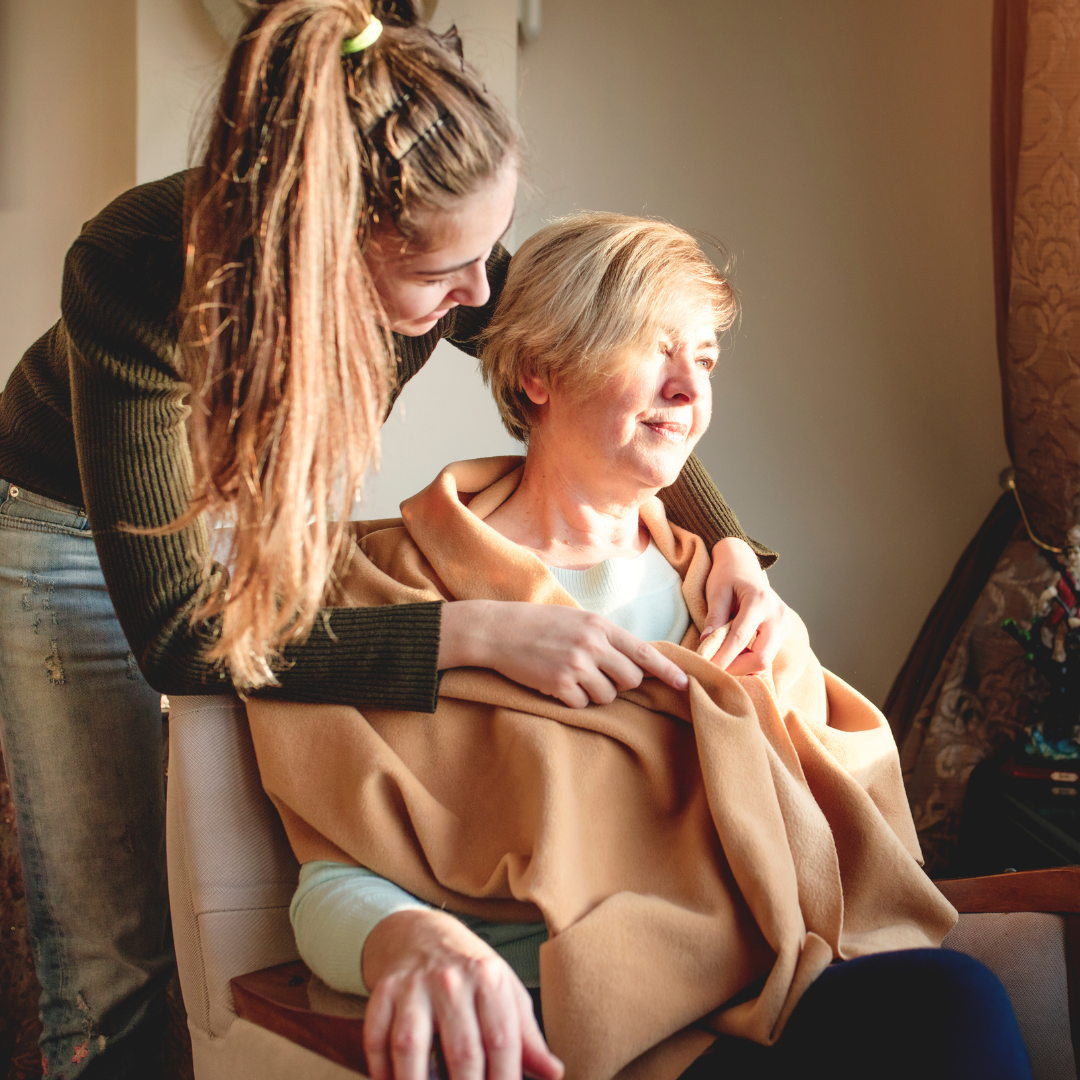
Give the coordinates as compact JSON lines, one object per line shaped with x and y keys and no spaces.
{"x":1057,"y":890}
{"x":290,"y":1001}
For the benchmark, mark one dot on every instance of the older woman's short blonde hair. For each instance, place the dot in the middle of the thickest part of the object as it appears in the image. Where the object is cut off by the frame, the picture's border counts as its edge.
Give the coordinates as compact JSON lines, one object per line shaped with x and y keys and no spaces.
{"x":582,"y":289}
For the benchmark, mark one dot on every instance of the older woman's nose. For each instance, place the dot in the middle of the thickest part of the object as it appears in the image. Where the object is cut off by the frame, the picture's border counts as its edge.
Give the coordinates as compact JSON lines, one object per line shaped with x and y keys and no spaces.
{"x":473,"y":289}
{"x":683,"y":378}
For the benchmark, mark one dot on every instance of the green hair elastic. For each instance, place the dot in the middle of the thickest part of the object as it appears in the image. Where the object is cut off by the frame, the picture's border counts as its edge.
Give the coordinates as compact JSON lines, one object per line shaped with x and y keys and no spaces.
{"x":364,"y":40}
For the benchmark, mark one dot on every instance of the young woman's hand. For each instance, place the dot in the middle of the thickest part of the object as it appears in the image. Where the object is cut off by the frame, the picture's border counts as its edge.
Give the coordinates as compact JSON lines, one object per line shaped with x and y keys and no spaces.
{"x":565,"y":652}
{"x":432,"y":975}
{"x":738,"y":591}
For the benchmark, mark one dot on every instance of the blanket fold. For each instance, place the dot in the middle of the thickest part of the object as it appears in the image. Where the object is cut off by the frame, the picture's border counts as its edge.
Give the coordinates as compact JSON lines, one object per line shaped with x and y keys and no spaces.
{"x":678,"y":846}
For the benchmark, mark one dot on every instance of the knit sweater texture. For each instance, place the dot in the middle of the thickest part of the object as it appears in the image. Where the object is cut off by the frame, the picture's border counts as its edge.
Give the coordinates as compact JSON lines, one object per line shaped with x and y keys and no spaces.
{"x":94,"y":415}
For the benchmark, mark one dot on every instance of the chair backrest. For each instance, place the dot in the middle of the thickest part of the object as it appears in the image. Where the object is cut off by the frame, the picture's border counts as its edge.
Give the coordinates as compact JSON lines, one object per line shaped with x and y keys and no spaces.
{"x":231,"y":870}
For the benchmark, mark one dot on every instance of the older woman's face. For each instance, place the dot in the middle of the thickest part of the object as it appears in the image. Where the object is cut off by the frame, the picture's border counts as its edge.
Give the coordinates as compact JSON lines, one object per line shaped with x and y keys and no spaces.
{"x":640,"y":426}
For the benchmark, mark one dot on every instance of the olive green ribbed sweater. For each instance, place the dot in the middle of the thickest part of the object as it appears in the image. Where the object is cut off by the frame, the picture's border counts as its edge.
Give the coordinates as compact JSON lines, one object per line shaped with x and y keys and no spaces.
{"x":94,"y":415}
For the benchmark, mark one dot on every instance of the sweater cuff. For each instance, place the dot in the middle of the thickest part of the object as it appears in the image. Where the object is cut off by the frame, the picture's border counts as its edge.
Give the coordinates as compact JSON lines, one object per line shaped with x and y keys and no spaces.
{"x":377,"y":657}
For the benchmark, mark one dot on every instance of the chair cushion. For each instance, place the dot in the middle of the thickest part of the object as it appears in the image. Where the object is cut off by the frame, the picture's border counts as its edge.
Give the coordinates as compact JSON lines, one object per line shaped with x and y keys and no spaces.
{"x":1026,"y":950}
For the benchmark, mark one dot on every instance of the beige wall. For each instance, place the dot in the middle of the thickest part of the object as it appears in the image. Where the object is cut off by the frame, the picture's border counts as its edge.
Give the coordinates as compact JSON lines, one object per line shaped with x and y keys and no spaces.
{"x":840,"y":149}
{"x":181,"y":60}
{"x":67,"y":145}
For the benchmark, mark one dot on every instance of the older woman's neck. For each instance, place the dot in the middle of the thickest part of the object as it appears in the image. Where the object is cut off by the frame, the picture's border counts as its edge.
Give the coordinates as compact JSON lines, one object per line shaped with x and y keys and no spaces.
{"x":569,"y":521}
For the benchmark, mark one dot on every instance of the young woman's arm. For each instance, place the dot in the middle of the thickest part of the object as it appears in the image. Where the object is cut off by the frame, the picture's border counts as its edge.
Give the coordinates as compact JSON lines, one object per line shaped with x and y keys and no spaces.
{"x":128,"y":408}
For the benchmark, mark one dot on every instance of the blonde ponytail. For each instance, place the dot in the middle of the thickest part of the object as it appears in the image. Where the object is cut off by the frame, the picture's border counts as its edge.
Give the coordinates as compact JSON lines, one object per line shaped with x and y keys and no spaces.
{"x":283,"y":342}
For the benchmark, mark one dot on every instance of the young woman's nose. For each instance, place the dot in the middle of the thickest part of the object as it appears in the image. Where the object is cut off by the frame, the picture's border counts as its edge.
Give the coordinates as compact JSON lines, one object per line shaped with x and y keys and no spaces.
{"x":472,"y":289}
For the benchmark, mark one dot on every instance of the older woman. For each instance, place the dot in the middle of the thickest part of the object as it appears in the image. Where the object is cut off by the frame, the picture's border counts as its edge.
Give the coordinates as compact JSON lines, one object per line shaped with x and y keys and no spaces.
{"x":675,"y":872}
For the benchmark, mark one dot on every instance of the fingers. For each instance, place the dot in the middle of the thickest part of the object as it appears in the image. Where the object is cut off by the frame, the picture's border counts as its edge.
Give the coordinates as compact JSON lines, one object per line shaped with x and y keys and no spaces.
{"x":440,"y":978}
{"x":377,"y":1020}
{"x":398,"y":1030}
{"x":601,"y":663}
{"x":772,"y":633}
{"x":459,"y":1027}
{"x":573,"y":655}
{"x":410,"y":1035}
{"x":500,"y":1029}
{"x":747,"y":663}
{"x":537,"y":1060}
{"x":584,"y":677}
{"x":742,"y":631}
{"x":721,"y":601}
{"x":647,"y":658}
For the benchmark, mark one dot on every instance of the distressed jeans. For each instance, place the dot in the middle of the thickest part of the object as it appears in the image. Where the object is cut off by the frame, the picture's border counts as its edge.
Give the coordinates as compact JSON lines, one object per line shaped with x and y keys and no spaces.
{"x":82,"y":740}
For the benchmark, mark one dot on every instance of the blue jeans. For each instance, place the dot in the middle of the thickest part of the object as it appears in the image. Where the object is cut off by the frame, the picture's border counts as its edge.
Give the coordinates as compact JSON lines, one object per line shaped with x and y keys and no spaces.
{"x":82,"y":741}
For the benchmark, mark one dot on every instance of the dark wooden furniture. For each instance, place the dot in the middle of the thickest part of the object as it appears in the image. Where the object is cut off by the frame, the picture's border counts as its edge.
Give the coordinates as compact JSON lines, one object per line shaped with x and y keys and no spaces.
{"x":1056,"y":889}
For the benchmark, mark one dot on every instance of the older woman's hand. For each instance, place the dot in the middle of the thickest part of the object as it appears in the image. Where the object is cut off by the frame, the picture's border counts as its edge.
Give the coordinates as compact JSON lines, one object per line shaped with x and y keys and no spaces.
{"x":573,"y":655}
{"x":431,"y":974}
{"x":739,"y":590}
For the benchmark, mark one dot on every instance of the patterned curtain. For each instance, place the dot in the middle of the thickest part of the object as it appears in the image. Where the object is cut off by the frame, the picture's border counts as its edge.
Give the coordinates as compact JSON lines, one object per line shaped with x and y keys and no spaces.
{"x":965,"y":689}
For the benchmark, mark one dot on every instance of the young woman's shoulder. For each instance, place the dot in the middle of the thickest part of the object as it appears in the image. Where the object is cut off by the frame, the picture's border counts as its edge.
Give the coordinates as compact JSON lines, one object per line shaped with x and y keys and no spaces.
{"x":140,"y":231}
{"x":124,"y":273}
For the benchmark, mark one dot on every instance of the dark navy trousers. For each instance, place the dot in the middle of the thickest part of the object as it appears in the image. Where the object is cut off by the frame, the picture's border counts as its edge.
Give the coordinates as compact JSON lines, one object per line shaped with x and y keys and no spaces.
{"x":925,"y":1014}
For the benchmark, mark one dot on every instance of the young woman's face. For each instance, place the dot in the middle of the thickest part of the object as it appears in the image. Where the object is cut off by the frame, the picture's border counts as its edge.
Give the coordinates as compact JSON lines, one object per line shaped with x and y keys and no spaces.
{"x":637,"y":430}
{"x":418,"y":287}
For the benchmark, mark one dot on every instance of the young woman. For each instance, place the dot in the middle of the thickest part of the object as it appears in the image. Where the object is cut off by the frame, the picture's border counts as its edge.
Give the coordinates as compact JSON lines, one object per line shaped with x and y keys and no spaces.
{"x":230,"y":341}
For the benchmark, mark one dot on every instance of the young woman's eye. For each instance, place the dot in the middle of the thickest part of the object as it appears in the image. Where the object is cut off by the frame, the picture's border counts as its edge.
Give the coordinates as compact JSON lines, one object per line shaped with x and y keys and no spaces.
{"x":437,"y":281}
{"x":706,"y":363}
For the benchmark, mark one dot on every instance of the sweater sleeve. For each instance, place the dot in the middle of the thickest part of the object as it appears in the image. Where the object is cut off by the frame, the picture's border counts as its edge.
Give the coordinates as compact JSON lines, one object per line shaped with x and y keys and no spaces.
{"x":333,"y":910}
{"x":694,"y":503}
{"x":121,"y":283}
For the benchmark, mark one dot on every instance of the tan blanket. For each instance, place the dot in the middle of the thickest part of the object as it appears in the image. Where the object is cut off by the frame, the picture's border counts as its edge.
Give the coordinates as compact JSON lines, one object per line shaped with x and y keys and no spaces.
{"x":677,"y":845}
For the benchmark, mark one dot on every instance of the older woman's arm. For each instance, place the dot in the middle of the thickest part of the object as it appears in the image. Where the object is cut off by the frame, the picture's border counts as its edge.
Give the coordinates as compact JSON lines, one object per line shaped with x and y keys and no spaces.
{"x":425,"y":975}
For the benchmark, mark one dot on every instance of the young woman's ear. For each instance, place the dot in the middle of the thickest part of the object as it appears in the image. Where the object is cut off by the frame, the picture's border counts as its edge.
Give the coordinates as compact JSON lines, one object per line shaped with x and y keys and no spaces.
{"x":535,"y":390}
